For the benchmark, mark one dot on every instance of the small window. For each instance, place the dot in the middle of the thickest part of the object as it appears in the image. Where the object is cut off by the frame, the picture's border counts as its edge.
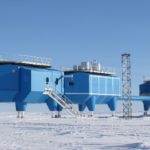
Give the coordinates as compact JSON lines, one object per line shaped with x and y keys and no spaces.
{"x":71,"y":83}
{"x":47,"y":80}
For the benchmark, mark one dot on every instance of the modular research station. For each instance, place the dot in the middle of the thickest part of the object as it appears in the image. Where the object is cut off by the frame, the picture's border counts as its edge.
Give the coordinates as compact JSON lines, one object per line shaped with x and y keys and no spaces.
{"x":30,"y":79}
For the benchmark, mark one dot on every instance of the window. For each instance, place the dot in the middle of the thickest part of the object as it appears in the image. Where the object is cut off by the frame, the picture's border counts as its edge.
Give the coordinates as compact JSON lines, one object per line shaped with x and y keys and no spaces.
{"x":47,"y":80}
{"x":71,"y":83}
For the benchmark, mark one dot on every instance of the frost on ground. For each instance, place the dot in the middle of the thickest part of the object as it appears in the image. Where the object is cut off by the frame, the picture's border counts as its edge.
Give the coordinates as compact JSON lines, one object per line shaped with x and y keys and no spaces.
{"x":38,"y":131}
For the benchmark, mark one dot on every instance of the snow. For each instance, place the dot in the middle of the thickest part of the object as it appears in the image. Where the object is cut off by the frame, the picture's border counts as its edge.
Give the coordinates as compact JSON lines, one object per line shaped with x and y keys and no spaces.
{"x":38,"y":131}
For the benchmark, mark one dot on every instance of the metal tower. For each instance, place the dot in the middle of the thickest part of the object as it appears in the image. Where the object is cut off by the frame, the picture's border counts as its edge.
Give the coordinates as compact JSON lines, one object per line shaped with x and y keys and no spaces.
{"x":126,"y":86}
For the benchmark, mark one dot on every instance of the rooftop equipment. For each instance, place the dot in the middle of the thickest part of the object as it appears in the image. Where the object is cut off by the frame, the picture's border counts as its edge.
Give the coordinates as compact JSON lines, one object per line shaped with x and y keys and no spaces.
{"x":91,"y":67}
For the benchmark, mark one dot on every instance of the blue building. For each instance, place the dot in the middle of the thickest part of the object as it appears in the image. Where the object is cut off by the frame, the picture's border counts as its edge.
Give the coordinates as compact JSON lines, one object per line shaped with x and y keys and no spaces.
{"x":24,"y":82}
{"x":145,"y":91}
{"x":90,"y":84}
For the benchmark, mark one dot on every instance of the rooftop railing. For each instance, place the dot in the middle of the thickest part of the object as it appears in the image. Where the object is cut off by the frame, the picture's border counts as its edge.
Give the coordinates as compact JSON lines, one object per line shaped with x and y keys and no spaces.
{"x":26,"y":59}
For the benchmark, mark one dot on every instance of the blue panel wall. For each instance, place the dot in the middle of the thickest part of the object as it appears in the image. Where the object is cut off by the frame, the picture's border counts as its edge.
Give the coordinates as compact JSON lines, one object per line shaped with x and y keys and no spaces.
{"x":109,"y":86}
{"x":9,"y":77}
{"x":9,"y":82}
{"x":116,"y":85}
{"x":77,"y":83}
{"x":36,"y":83}
{"x":103,"y":85}
{"x":94,"y":85}
{"x":24,"y":89}
{"x":26,"y":84}
{"x":145,"y":88}
{"x":84,"y":83}
{"x":88,"y":90}
{"x":38,"y":80}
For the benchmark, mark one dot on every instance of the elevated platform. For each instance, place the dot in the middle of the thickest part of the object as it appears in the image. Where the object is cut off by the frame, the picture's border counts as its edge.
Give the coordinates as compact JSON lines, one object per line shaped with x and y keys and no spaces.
{"x":26,"y":60}
{"x":28,"y":64}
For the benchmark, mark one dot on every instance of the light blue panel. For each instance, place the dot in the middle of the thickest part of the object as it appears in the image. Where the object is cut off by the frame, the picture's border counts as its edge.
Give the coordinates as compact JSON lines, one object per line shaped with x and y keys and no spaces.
{"x":102,"y":85}
{"x":109,"y":86}
{"x":38,"y":80}
{"x":103,"y":99}
{"x":59,"y":76}
{"x":94,"y":84}
{"x":116,"y":84}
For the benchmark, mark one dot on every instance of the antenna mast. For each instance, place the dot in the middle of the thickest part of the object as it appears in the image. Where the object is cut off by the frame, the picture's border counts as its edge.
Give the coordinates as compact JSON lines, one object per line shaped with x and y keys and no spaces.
{"x":126,"y":86}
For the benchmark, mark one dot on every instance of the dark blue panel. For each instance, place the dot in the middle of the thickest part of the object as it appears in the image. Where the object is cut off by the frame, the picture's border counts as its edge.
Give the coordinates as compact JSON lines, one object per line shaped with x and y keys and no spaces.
{"x":36,"y":97}
{"x":52,"y":105}
{"x":25,"y":84}
{"x":145,"y":88}
{"x":21,"y":106}
{"x":91,"y":103}
{"x":9,"y":82}
{"x":77,"y":83}
{"x":112,"y":104}
{"x":146,"y":105}
{"x":78,"y":98}
{"x":9,"y":77}
{"x":81,"y":107}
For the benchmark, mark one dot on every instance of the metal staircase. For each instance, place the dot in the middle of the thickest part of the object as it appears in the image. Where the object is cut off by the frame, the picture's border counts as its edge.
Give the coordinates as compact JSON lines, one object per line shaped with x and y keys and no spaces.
{"x":62,"y":100}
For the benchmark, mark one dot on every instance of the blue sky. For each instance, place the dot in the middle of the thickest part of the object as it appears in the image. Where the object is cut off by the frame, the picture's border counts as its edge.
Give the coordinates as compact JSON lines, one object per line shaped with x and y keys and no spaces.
{"x":71,"y":31}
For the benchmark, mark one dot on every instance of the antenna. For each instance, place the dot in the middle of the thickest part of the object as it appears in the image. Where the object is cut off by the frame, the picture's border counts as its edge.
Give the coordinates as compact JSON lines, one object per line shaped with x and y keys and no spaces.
{"x":126,"y":86}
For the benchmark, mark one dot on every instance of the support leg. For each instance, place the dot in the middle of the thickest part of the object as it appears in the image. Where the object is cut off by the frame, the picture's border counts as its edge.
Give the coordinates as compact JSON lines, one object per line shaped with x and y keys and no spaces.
{"x":91,"y":105}
{"x":113,"y":114}
{"x":112,"y":105}
{"x":91,"y":114}
{"x":145,"y":113}
{"x":22,"y":114}
{"x":59,"y":114}
{"x":81,"y":108}
{"x":20,"y":108}
{"x":18,"y":114}
{"x":146,"y":107}
{"x":53,"y":114}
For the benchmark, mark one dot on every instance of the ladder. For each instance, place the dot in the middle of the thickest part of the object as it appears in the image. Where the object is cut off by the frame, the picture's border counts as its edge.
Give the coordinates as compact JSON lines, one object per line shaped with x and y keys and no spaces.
{"x":62,"y":100}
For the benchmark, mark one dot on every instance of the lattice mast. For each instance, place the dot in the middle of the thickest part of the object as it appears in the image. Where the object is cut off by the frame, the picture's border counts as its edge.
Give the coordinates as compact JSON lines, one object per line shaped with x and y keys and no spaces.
{"x":126,"y":86}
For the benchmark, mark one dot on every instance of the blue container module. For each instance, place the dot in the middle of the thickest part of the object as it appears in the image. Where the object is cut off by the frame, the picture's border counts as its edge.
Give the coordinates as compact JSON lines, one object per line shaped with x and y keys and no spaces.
{"x":89,"y":84}
{"x":145,"y":91}
{"x":24,"y":83}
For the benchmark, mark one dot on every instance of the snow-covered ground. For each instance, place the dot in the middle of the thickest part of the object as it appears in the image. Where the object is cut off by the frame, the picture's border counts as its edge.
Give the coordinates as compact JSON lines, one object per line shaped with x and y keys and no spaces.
{"x":38,"y":131}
